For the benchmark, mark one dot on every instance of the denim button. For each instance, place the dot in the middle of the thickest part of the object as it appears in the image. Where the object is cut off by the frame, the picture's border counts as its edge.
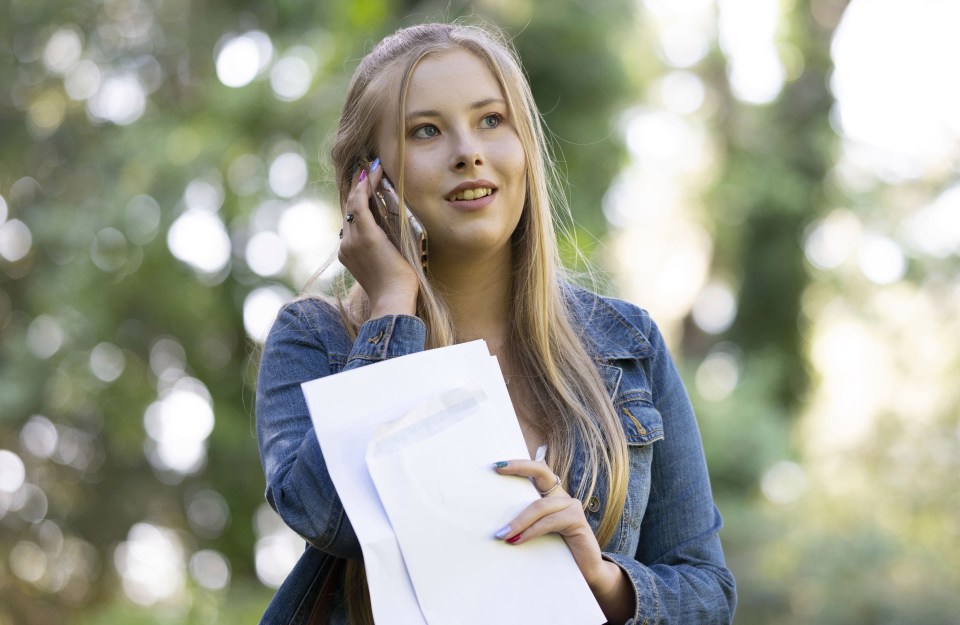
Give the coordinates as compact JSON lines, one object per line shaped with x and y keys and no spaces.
{"x":593,"y":504}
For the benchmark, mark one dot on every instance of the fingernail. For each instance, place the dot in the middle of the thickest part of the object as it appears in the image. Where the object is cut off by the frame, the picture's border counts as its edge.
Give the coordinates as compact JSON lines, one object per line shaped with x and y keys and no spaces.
{"x":363,"y":175}
{"x":374,"y":164}
{"x":500,"y":465}
{"x":503,"y":531}
{"x":514,"y":539}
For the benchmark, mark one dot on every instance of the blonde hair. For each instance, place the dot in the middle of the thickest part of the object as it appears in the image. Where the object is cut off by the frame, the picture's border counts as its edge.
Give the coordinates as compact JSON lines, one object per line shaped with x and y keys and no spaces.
{"x":550,"y":355}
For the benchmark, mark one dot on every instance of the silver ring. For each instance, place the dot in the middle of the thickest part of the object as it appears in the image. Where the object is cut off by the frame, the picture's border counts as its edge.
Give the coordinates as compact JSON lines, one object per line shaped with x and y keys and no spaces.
{"x":544,"y":493}
{"x":350,"y":218}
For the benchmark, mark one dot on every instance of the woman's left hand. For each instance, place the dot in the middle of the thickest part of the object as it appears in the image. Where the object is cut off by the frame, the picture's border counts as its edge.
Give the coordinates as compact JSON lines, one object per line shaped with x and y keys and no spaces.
{"x":562,"y":514}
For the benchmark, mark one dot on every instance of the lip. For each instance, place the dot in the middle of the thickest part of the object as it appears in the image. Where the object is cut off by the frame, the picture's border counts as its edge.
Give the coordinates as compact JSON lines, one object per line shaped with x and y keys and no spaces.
{"x":476,"y":204}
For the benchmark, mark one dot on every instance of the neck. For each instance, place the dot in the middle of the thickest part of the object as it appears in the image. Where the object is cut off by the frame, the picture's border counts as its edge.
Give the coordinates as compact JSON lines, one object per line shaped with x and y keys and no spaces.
{"x":478,"y":297}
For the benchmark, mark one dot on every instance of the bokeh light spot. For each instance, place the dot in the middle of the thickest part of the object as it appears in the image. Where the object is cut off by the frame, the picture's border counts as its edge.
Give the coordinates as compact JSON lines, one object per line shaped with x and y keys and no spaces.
{"x":15,"y":240}
{"x":109,"y":250}
{"x":240,"y":59}
{"x":204,"y":194}
{"x":39,"y":436}
{"x":288,"y":174}
{"x":151,"y":564}
{"x":784,"y":482}
{"x":179,"y":424}
{"x":142,"y":219}
{"x":682,"y":92}
{"x":12,"y":471}
{"x":107,"y":362}
{"x":719,"y":373}
{"x":290,"y":78}
{"x":28,"y":561}
{"x":207,"y":513}
{"x":715,"y":308}
{"x":121,"y":99}
{"x":266,"y":253}
{"x":748,"y":31}
{"x":834,"y":240}
{"x":45,"y":336}
{"x":260,"y":309}
{"x":210,"y":569}
{"x":200,"y":239}
{"x":63,"y":50}
{"x":45,"y":114}
{"x":881,"y":259}
{"x":278,"y":548}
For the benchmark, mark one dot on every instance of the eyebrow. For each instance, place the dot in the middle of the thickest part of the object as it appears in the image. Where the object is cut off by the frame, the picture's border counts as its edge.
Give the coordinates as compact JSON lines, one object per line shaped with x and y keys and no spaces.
{"x":479,"y":104}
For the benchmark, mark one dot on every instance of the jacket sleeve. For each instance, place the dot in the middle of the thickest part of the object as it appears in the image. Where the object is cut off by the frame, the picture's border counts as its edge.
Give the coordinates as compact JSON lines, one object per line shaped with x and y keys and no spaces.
{"x":298,"y":349}
{"x":678,"y":571}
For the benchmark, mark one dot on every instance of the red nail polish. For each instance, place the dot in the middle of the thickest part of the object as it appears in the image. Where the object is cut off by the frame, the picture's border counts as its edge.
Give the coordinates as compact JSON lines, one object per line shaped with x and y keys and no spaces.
{"x":363,"y":175}
{"x":514,"y":539}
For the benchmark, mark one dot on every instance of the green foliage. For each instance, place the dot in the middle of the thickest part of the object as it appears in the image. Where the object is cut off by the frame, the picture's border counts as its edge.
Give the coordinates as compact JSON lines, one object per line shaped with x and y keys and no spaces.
{"x":99,"y":199}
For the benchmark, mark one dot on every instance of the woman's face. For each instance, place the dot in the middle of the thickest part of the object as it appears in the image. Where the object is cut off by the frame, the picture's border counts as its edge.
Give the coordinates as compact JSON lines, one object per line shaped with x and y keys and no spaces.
{"x":465,"y":169}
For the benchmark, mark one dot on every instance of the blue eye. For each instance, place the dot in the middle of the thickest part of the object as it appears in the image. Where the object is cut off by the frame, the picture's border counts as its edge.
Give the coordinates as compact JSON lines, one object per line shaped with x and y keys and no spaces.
{"x":426,"y":131}
{"x":491,"y":121}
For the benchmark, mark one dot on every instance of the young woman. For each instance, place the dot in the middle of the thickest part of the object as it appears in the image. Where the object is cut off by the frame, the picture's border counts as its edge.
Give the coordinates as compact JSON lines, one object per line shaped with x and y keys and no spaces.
{"x":445,"y":112}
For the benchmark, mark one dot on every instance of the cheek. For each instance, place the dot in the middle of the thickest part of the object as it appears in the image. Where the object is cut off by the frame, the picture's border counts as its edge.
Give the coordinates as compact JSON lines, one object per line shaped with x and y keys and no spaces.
{"x":510,"y":157}
{"x":422,"y":181}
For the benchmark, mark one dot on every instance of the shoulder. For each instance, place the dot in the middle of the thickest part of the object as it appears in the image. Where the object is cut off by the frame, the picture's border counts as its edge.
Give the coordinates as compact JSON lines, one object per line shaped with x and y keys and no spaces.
{"x":614,"y":329}
{"x":308,"y":316}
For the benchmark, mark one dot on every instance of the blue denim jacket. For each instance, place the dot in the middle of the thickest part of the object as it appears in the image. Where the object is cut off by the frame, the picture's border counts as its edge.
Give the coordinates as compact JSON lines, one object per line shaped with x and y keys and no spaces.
{"x":667,"y":539}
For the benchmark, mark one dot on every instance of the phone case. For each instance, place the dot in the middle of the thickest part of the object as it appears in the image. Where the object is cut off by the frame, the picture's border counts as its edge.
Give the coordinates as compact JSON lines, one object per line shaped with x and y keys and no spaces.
{"x":385,"y":206}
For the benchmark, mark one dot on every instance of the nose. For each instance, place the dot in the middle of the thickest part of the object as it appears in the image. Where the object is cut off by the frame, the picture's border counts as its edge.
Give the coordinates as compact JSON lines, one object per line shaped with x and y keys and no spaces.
{"x":466,"y":154}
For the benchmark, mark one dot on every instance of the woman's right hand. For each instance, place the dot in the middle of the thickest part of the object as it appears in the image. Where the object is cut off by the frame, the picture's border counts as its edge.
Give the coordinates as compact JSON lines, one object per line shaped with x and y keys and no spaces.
{"x":365,"y":250}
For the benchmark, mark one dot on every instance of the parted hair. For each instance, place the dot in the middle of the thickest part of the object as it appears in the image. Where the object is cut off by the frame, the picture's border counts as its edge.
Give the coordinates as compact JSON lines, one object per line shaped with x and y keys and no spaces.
{"x":548,"y":352}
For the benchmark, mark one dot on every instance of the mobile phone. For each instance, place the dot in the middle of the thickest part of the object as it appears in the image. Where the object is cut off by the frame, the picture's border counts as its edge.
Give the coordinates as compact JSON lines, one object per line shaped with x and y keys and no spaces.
{"x":385,"y":206}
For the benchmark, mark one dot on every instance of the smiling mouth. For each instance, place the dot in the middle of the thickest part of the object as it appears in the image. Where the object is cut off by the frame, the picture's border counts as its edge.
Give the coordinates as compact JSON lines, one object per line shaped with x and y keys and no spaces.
{"x":471,"y":194}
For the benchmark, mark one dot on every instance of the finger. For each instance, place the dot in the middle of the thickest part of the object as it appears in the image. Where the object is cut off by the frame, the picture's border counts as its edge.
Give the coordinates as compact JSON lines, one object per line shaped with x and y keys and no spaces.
{"x":365,"y":181}
{"x":540,"y":473}
{"x":547,"y":515}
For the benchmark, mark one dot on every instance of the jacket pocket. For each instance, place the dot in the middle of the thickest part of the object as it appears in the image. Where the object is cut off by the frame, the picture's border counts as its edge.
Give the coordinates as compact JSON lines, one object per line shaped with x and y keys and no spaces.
{"x":642,"y":423}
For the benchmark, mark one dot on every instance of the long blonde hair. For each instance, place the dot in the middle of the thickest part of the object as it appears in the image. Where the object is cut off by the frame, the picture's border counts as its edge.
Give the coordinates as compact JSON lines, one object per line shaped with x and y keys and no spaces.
{"x":549,"y":353}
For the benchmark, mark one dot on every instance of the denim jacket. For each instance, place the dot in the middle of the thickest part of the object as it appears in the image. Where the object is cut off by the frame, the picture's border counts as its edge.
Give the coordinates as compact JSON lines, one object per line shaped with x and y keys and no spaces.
{"x":667,"y":540}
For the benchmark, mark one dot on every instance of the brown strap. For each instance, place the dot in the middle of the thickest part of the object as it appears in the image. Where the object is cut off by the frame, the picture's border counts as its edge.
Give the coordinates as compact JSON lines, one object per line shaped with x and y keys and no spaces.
{"x":323,"y":606}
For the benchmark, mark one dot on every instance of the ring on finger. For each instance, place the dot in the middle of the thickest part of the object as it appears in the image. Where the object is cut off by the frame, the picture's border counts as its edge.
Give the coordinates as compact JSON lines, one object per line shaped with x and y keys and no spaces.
{"x":544,"y":493}
{"x":350,"y":218}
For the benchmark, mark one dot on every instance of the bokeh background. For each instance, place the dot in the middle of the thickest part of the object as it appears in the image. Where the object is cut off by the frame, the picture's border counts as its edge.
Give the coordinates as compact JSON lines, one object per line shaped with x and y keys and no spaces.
{"x":775,"y":180}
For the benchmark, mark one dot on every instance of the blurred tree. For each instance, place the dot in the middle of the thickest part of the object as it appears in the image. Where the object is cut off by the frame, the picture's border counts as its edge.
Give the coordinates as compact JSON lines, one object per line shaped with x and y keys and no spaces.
{"x":132,"y":182}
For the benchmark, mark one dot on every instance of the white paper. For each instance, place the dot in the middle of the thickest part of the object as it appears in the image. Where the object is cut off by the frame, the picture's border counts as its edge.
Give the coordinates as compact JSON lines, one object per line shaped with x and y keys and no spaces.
{"x":347,"y":409}
{"x":433,"y":470}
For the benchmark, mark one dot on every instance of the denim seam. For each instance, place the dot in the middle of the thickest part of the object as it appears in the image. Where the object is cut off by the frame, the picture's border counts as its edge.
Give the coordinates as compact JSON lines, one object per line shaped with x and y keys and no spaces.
{"x":632,"y":329}
{"x":388,"y":336}
{"x":656,"y":595}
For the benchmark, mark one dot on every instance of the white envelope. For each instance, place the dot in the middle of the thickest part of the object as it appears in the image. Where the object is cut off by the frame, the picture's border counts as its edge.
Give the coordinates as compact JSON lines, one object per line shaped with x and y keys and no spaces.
{"x":347,"y":409}
{"x":433,"y":470}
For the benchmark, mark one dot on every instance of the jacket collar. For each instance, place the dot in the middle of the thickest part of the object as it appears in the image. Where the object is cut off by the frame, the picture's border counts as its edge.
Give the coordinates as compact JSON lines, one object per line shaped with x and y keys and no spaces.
{"x":610,"y":335}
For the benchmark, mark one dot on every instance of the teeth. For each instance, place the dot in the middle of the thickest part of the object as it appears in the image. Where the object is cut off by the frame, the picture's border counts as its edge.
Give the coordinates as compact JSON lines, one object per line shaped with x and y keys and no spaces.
{"x":472,"y":194}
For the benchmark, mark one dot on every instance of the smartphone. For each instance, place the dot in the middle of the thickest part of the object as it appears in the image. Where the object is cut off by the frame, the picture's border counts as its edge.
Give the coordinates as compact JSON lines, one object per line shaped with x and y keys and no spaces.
{"x":385,"y":206}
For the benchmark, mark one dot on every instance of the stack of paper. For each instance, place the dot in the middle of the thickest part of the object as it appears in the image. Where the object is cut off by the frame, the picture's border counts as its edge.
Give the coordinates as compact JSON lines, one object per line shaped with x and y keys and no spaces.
{"x":410,"y":444}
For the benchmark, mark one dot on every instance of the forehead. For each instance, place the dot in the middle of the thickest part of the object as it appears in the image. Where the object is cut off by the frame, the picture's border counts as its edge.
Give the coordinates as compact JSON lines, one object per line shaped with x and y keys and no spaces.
{"x":451,"y":77}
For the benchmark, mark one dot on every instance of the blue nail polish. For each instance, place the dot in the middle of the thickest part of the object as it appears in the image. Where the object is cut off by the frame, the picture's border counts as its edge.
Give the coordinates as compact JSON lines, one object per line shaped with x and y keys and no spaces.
{"x":374,"y":165}
{"x":501,"y":464}
{"x":502,"y":532}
